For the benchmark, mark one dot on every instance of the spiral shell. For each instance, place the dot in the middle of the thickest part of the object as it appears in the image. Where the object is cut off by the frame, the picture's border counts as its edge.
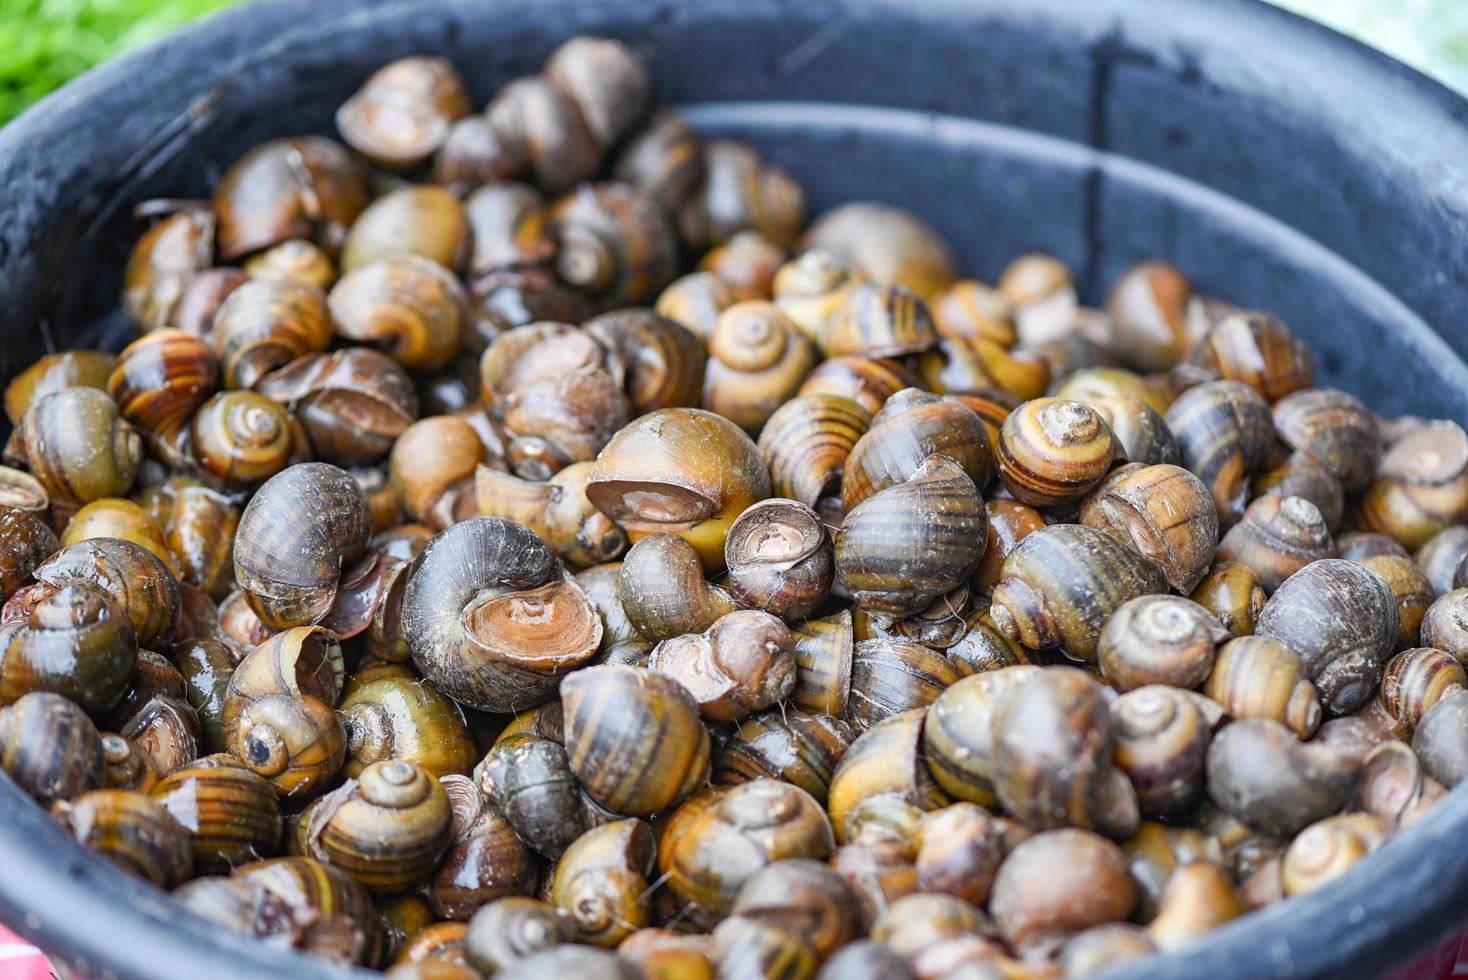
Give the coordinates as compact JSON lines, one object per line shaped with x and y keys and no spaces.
{"x":1224,"y":432}
{"x":1058,"y":587}
{"x":265,"y":324}
{"x":617,"y":245}
{"x":823,"y":652}
{"x":160,"y":379}
{"x":779,"y":559}
{"x":806,"y":443}
{"x":911,"y":427}
{"x":297,"y":534}
{"x":1261,"y":774}
{"x":1052,"y":451}
{"x":352,"y":403}
{"x":1335,"y":428}
{"x":757,"y":361}
{"x":475,"y":598}
{"x":1258,"y":677}
{"x":1231,"y":592}
{"x":1414,"y":593}
{"x":163,"y":261}
{"x":1162,"y":736}
{"x":67,"y":369}
{"x":1411,"y":683}
{"x":140,"y":585}
{"x":230,"y":813}
{"x":241,"y":438}
{"x":600,"y":884}
{"x":301,"y":187}
{"x":1140,"y":431}
{"x":650,"y":753}
{"x":1277,"y":537}
{"x":1149,"y":306}
{"x":410,"y":306}
{"x":663,"y":159}
{"x":334,"y":912}
{"x":879,"y":321}
{"x":403,"y":112}
{"x":295,"y":743}
{"x":665,"y":361}
{"x":1421,"y":486}
{"x":1341,"y":619}
{"x":77,"y":445}
{"x":890,"y":676}
{"x":49,"y":747}
{"x":741,"y":191}
{"x":1163,"y":512}
{"x":868,"y":381}
{"x":1159,"y":639}
{"x":786,"y":744}
{"x":904,"y":546}
{"x":742,"y":663}
{"x":1058,"y":883}
{"x":537,"y":115}
{"x":885,"y":763}
{"x":1258,"y":350}
{"x":969,"y":309}
{"x":130,"y":830}
{"x":411,"y":220}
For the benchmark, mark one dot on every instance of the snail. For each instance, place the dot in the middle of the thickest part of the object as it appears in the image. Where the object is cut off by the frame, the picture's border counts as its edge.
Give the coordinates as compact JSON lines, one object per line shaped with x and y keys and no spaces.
{"x":509,"y":930}
{"x":401,"y":115}
{"x":650,"y":753}
{"x":415,"y":220}
{"x":131,"y":830}
{"x":50,"y":747}
{"x":231,"y":813}
{"x":783,"y":743}
{"x":757,"y":360}
{"x":887,"y":244}
{"x":1262,"y":774}
{"x":1058,"y":883}
{"x":1224,"y":432}
{"x":600,"y":883}
{"x":680,"y":470}
{"x":744,"y":662}
{"x":410,"y":306}
{"x":1258,"y":350}
{"x":1150,"y":306}
{"x":1259,"y":677}
{"x":741,"y":191}
{"x":779,"y":559}
{"x":662,"y":589}
{"x":1159,"y":639}
{"x":297,"y":534}
{"x":301,"y":187}
{"x":663,"y":159}
{"x":77,"y":445}
{"x":491,"y":620}
{"x":1163,"y":512}
{"x":616,"y":245}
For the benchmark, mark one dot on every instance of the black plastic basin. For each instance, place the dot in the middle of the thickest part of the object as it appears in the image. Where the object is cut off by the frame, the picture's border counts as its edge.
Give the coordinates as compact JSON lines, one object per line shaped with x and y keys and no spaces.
{"x":1279,"y":164}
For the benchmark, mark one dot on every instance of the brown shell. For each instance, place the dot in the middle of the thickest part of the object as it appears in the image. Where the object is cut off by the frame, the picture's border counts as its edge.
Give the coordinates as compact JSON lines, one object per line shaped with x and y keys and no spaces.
{"x":301,"y":187}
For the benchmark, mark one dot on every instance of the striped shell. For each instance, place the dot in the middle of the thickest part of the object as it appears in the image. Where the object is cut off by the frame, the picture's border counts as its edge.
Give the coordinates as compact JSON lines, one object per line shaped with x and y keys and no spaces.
{"x":265,"y":324}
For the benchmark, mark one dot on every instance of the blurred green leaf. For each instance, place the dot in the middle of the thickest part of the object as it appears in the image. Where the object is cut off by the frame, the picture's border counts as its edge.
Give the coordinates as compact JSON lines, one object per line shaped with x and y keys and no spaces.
{"x":45,"y":42}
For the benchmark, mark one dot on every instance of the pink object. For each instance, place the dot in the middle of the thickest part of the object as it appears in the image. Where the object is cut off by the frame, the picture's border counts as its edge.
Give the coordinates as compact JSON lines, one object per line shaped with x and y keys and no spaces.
{"x":19,"y":960}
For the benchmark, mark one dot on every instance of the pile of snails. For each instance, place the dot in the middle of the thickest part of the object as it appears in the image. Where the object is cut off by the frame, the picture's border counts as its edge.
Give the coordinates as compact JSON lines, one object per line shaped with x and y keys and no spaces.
{"x":518,"y":543}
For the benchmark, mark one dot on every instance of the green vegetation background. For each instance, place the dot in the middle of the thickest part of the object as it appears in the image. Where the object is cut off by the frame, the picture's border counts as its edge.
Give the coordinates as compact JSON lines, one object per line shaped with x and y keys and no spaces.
{"x":45,"y":42}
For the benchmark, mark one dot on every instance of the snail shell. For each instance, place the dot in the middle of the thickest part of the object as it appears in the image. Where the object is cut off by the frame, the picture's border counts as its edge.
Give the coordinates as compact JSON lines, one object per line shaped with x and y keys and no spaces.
{"x":868,"y":381}
{"x":556,"y":510}
{"x":401,"y":115}
{"x":231,"y":813}
{"x":965,"y":365}
{"x":904,"y":546}
{"x":787,"y":744}
{"x":1445,"y":624}
{"x":75,"y":642}
{"x":474,"y":153}
{"x":1061,"y":584}
{"x":1162,"y":736}
{"x":1440,"y":738}
{"x":600,"y":884}
{"x":1009,"y":523}
{"x":755,"y":948}
{"x":1411,"y":683}
{"x":806,"y":897}
{"x":866,"y":959}
{"x":1301,"y":475}
{"x":1159,"y":639}
{"x":490,"y":620}
{"x":823,"y":653}
{"x":617,"y":246}
{"x":400,"y":718}
{"x":741,"y":664}
{"x":806,"y":444}
{"x":912,"y":426}
{"x":748,"y":261}
{"x":1224,"y":432}
{"x":885,"y":763}
{"x":1341,"y":618}
{"x":663,"y":592}
{"x":1277,"y":537}
{"x":1334,"y":428}
{"x":665,"y":361}
{"x":879,"y":321}
{"x":694,"y":301}
{"x":1413,"y":591}
{"x":680,"y":470}
{"x":1325,"y":850}
{"x":160,"y":379}
{"x":1052,"y":743}
{"x":1058,"y":883}
{"x":1149,"y":306}
{"x":130,"y":830}
{"x":296,"y":535}
{"x":301,"y":187}
{"x":1052,"y":452}
{"x":959,"y":849}
{"x":410,"y":306}
{"x":412,"y":220}
{"x":49,"y":747}
{"x":758,"y":359}
{"x":165,"y":258}
{"x":1165,"y":513}
{"x":77,"y":446}
{"x":386,"y":828}
{"x":510,"y":226}
{"x":1104,"y":947}
{"x":1258,"y":350}
{"x":1259,"y":677}
{"x":352,"y":403}
{"x":1421,"y":486}
{"x":537,"y":115}
{"x":528,"y":779}
{"x":265,"y":324}
{"x":958,"y":736}
{"x":335,"y":912}
{"x":51,"y":373}
{"x":1440,"y":557}
{"x":887,"y":244}
{"x":969,"y":309}
{"x":929,"y":930}
{"x":649,"y":753}
{"x":1139,"y":429}
{"x":1231,"y":592}
{"x":890,"y":676}
{"x":779,"y":559}
{"x":240,"y":438}
{"x":812,"y":289}
{"x":1197,"y":898}
{"x":295,"y":743}
{"x":609,"y":82}
{"x":509,"y":930}
{"x":663,"y":159}
{"x":294,"y":258}
{"x":741,"y":191}
{"x":749,"y":827}
{"x":1261,"y":774}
